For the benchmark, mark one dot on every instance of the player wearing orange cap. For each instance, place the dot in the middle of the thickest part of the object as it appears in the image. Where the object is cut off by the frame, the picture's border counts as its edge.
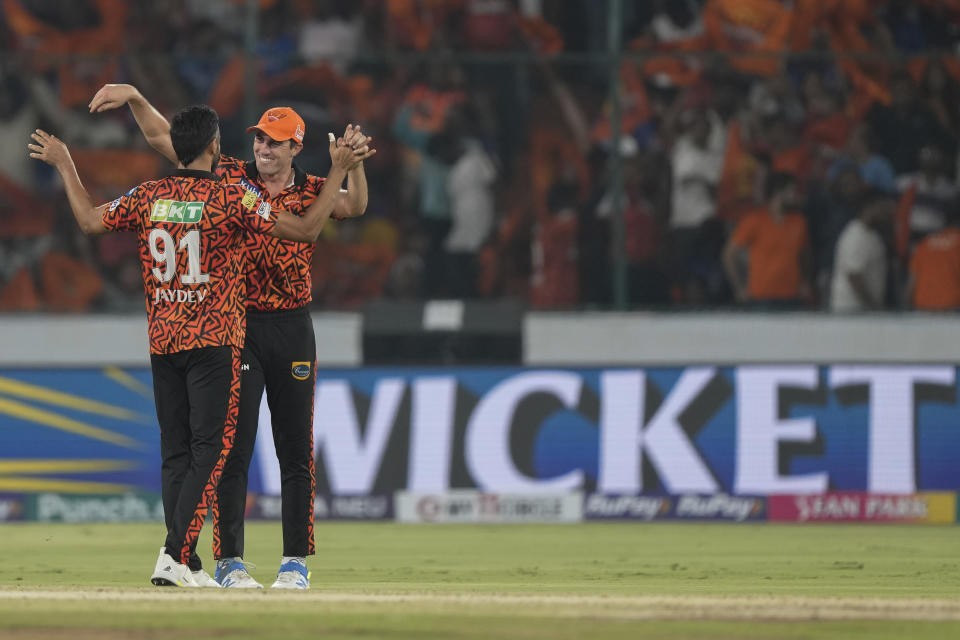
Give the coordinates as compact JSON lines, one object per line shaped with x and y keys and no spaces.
{"x":280,"y":351}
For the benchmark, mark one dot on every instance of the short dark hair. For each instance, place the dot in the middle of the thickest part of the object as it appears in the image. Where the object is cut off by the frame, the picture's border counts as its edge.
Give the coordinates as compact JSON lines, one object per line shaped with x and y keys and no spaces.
{"x":191,"y":130}
{"x":777,"y":181}
{"x":873,"y":197}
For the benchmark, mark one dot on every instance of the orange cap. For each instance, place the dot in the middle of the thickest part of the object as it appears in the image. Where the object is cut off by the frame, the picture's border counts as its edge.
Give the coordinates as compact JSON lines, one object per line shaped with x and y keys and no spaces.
{"x":281,"y":123}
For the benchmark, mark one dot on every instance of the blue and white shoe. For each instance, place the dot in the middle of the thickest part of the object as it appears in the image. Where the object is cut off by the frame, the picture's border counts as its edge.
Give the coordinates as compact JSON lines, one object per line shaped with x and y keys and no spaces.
{"x":293,"y":574}
{"x":232,"y":573}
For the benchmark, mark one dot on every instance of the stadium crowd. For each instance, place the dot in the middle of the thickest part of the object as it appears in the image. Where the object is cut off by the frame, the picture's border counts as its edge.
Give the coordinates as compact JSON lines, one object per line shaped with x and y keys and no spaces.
{"x":773,"y":154}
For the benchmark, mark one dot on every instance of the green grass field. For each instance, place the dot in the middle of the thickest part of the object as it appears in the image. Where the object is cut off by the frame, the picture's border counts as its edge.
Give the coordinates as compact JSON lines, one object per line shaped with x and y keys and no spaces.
{"x":610,"y":581}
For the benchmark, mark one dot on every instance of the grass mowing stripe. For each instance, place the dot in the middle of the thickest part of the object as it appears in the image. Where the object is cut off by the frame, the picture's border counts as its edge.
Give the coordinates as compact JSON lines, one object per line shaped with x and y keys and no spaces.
{"x":617,"y":607}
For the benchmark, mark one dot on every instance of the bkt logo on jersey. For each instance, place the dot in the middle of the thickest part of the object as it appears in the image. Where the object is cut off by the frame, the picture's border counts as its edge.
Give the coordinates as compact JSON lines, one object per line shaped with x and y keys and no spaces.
{"x":176,"y":211}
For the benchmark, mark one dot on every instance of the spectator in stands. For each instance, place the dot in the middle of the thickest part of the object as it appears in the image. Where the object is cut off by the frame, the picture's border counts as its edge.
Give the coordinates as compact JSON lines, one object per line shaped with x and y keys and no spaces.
{"x":435,"y":208}
{"x":331,"y":32}
{"x":200,"y":58}
{"x":931,"y":191}
{"x":934,"y":281}
{"x":830,"y":208}
{"x":940,"y":93}
{"x":470,"y":194}
{"x":554,"y":281}
{"x":861,"y":152}
{"x":17,"y":114}
{"x":405,"y":279}
{"x":697,"y":161}
{"x":50,"y":276}
{"x":787,"y":151}
{"x":645,"y":194}
{"x":776,"y":245}
{"x":676,"y":21}
{"x":860,"y":265}
{"x":826,"y":123}
{"x":906,"y":126}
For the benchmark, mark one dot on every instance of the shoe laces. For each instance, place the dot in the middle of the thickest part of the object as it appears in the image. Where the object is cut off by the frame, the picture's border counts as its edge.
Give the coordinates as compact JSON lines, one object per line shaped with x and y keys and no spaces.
{"x":291,"y":577}
{"x":226,"y":563}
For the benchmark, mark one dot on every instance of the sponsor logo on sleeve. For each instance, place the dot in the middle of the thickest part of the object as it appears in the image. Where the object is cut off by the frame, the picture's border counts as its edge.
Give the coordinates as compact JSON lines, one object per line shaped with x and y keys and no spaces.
{"x":264,"y":210}
{"x":116,"y":203}
{"x":300,"y":370}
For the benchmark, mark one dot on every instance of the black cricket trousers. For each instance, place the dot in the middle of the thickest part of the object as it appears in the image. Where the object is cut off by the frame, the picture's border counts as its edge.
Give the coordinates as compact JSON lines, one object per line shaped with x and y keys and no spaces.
{"x":279,"y":356}
{"x":197,"y":393}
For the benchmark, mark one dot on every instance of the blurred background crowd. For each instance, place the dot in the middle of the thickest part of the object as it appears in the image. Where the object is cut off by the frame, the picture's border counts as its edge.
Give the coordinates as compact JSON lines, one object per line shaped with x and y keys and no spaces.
{"x":671,"y":154}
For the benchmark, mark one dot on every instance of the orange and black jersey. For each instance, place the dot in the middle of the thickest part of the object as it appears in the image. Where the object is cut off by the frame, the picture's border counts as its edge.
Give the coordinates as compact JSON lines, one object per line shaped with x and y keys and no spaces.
{"x":191,"y":231}
{"x":278,"y":271}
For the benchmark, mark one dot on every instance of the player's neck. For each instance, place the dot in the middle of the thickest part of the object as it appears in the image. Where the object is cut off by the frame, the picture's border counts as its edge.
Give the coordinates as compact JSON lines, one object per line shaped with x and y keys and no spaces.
{"x":278,"y":181}
{"x":202,"y":163}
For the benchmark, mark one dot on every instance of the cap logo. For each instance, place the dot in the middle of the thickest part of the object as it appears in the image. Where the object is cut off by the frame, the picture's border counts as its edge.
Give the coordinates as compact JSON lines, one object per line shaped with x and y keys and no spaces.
{"x":298,"y":134}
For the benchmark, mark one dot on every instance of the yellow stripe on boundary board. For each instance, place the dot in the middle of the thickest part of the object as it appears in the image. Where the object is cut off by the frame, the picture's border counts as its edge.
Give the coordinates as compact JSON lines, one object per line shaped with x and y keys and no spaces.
{"x":123,"y":378}
{"x":70,"y":401}
{"x":29,"y":466}
{"x":56,"y":421}
{"x":15,"y":484}
{"x":941,"y":507}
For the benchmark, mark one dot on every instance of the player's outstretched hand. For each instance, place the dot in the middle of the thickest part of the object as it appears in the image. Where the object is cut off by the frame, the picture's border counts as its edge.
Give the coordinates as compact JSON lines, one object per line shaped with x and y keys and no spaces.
{"x":340,"y":155}
{"x":360,"y":143}
{"x":112,"y":96}
{"x":346,"y":157}
{"x":49,"y":148}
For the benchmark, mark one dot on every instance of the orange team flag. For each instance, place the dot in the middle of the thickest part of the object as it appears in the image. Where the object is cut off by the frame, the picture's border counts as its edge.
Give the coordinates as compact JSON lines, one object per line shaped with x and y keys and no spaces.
{"x":935,"y":267}
{"x":541,"y":35}
{"x":20,"y":294}
{"x":902,"y":222}
{"x":749,"y":26}
{"x":737,"y":187}
{"x":832,"y":131}
{"x":22,"y":212}
{"x":916,"y":67}
{"x":795,"y":160}
{"x":69,"y":284}
{"x":226,"y":96}
{"x":952,"y":65}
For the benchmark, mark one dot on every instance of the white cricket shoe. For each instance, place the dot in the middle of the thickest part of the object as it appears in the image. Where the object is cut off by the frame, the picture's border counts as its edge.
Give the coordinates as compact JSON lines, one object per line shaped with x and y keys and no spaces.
{"x":170,"y":573}
{"x":203,"y":579}
{"x":293,"y":574}
{"x":232,"y":573}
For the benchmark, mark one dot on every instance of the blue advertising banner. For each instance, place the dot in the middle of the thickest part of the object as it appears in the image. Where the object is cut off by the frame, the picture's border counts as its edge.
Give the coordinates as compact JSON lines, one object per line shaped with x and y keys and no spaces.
{"x":696,"y":431}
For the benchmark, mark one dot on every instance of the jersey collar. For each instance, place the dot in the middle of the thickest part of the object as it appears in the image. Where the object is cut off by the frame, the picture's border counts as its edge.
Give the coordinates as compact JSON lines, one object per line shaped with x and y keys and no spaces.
{"x":195,"y":173}
{"x":299,"y":175}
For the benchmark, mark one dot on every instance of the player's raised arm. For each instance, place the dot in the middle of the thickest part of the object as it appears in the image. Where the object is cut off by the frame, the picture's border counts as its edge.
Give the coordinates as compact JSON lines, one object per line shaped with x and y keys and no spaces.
{"x":153,"y":125}
{"x":352,"y":201}
{"x":54,"y":152}
{"x":307,"y":228}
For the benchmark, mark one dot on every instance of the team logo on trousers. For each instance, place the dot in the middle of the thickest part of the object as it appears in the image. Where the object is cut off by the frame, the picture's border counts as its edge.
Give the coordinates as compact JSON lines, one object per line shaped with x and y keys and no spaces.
{"x":300,"y":370}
